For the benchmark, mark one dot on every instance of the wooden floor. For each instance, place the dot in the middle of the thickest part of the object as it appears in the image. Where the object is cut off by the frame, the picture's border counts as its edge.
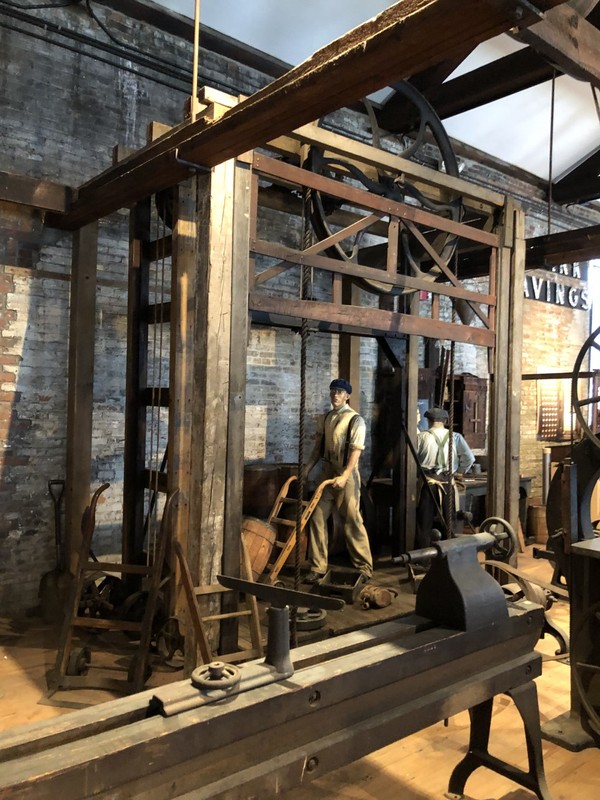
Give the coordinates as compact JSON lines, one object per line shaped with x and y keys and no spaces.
{"x":416,"y":768}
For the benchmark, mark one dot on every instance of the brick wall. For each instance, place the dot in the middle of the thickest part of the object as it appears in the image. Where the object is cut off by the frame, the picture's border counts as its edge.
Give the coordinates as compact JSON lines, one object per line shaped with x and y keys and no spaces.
{"x":554,"y":336}
{"x":64,"y":107}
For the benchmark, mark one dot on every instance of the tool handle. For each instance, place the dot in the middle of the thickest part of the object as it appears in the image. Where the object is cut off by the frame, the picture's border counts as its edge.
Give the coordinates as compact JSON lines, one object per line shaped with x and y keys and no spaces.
{"x":56,"y":489}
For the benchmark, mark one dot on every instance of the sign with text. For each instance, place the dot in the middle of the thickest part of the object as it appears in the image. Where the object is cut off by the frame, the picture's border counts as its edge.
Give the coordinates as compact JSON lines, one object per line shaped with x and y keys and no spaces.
{"x":552,"y":288}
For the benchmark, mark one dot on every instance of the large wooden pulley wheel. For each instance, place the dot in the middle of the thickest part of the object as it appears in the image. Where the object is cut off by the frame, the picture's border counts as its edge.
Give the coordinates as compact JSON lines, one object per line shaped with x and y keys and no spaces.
{"x":365,"y":243}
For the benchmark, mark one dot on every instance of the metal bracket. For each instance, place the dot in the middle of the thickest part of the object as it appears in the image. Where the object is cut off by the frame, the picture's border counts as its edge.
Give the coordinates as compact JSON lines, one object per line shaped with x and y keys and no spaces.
{"x":190,"y":164}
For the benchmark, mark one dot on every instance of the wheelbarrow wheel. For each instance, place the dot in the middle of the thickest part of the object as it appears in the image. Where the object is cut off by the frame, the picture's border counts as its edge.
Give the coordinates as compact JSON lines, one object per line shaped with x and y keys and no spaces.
{"x":79,"y":661}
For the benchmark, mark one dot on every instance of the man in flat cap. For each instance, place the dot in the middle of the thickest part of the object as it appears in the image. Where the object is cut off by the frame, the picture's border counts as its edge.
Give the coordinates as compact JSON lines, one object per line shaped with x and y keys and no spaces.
{"x":433,"y":452}
{"x":340,"y":442}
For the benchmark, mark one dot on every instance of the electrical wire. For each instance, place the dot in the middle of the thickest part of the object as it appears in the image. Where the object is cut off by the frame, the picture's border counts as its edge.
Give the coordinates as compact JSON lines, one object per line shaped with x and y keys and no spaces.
{"x":42,"y":5}
{"x":125,"y":45}
{"x":78,"y":51}
{"x":125,"y":51}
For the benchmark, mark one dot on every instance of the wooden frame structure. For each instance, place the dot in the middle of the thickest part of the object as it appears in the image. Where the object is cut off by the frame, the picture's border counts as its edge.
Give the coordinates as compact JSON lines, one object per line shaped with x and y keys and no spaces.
{"x":496,"y":225}
{"x":216,"y":288}
{"x":209,"y":302}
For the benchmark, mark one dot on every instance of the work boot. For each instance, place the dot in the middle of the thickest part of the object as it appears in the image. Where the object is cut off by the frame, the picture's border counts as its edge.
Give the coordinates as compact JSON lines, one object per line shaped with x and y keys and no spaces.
{"x":313,"y":577}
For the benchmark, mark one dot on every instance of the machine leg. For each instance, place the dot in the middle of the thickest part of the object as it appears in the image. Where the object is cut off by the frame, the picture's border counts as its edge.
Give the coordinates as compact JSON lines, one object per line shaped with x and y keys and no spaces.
{"x":481,"y":720}
{"x":525,"y":699}
{"x":560,"y":636}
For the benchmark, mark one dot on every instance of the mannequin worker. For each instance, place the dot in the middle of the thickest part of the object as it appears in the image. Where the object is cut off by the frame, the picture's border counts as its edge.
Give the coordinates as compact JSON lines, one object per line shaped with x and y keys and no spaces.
{"x":433,"y":447}
{"x":340,"y":442}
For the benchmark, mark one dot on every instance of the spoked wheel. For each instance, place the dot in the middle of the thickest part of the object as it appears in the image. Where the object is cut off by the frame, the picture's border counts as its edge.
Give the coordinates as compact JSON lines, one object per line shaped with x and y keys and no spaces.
{"x":506,"y":539}
{"x":418,"y":252}
{"x":585,"y":667}
{"x":581,"y":404}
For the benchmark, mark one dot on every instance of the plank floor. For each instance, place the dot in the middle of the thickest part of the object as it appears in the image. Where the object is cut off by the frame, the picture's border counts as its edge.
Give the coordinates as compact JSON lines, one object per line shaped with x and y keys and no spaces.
{"x":415,"y":768}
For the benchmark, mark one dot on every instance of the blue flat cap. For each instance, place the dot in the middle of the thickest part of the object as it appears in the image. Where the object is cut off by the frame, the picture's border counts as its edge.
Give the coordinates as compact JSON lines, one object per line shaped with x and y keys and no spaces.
{"x":436,"y":414}
{"x":340,"y":383}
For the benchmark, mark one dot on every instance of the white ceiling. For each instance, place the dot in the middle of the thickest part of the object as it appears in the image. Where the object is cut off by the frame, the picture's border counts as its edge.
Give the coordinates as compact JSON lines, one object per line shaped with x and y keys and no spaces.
{"x":515,"y":129}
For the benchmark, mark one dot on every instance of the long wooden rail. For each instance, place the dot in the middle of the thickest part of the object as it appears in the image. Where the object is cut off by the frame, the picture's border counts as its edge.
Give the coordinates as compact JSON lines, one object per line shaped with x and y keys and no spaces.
{"x":405,"y":38}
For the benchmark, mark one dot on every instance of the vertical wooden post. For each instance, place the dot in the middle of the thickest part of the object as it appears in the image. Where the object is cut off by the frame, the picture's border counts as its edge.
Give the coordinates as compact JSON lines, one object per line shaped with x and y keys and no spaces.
{"x":349,"y":352}
{"x":503,"y":488}
{"x":81,"y":385}
{"x":184,"y":273}
{"x":217,"y":386}
{"x":515,"y":366}
{"x":237,"y":373}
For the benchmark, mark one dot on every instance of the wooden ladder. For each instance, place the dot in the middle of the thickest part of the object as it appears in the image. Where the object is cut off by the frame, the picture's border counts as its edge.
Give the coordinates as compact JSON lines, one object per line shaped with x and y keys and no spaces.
{"x":248,"y":610}
{"x":286,"y":546}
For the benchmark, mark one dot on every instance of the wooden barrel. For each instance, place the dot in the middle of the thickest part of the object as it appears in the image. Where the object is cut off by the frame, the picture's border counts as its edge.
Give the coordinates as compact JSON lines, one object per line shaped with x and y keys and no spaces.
{"x":537,"y":528}
{"x":259,"y":538}
{"x":261,"y":485}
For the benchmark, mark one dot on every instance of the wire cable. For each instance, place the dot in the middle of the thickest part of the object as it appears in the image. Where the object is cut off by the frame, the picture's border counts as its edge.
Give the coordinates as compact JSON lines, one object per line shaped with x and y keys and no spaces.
{"x":65,"y":4}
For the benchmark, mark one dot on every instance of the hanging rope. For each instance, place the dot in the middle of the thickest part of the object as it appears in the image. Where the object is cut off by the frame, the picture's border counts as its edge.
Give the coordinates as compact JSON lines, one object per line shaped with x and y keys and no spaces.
{"x":450,"y":504}
{"x":305,"y":274}
{"x":194,"y":102}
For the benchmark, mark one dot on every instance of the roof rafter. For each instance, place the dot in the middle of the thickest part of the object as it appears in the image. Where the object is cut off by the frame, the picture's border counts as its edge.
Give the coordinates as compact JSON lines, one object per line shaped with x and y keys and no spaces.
{"x":409,"y":36}
{"x":582,"y":183}
{"x":568,"y":40}
{"x":566,"y":247}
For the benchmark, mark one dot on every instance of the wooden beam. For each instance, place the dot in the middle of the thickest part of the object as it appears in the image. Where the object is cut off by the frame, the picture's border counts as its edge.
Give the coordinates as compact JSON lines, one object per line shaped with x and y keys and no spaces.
{"x":236,"y":411}
{"x":349,"y":350}
{"x":514,"y":365}
{"x":409,"y":36}
{"x":216,"y":435}
{"x":500,"y":78}
{"x":566,"y":247}
{"x":336,"y":318}
{"x":568,"y":40}
{"x":26,"y":191}
{"x":184,"y":274}
{"x":81,"y":385}
{"x":581,"y":183}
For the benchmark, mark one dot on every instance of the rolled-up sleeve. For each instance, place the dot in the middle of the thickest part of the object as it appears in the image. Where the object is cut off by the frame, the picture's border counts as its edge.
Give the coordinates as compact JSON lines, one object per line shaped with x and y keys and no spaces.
{"x":358,"y":434}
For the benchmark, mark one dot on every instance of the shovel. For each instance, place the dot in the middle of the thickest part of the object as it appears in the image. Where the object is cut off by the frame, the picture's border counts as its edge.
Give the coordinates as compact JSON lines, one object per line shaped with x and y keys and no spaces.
{"x":54,"y":585}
